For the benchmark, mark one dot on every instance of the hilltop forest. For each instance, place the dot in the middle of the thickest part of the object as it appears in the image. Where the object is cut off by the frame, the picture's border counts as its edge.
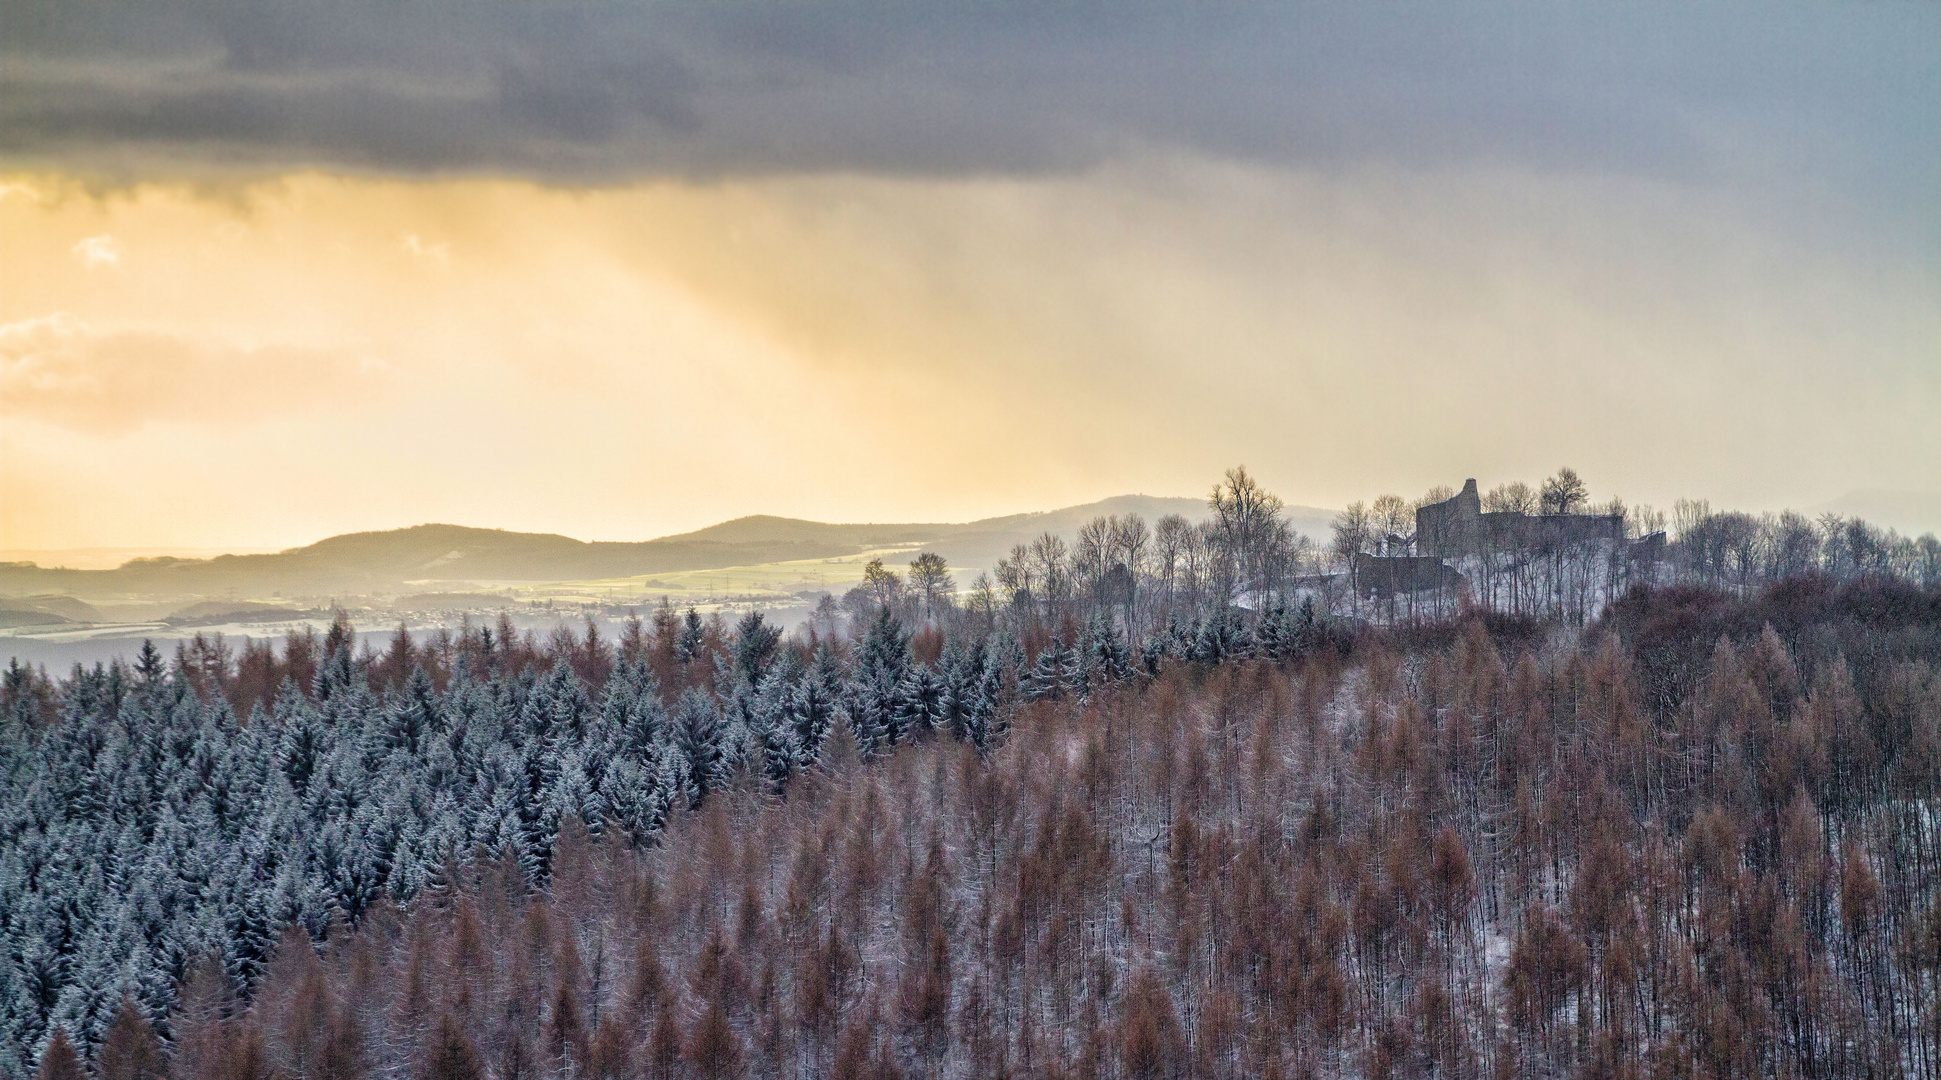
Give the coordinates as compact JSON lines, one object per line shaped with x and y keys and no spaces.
{"x":1188,"y":800}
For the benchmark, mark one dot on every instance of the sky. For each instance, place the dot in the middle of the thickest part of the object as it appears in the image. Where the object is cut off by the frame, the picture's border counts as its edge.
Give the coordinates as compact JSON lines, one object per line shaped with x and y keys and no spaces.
{"x":275,"y":271}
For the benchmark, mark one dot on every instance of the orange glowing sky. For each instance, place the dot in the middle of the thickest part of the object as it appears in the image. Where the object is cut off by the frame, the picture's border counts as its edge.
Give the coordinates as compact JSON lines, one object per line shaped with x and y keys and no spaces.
{"x":197,"y":352}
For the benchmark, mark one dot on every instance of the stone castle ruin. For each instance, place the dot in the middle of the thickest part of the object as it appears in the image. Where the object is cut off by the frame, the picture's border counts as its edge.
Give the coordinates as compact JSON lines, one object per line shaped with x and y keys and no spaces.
{"x":1456,"y":538}
{"x":1457,"y":527}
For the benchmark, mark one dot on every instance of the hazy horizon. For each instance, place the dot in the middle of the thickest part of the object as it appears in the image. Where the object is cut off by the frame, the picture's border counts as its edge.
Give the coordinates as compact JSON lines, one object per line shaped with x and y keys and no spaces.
{"x":98,"y":554}
{"x":1910,"y":513}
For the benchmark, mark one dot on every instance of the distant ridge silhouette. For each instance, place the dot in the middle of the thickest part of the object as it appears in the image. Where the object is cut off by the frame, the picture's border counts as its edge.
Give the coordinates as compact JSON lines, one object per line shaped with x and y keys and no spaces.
{"x":387,"y":561}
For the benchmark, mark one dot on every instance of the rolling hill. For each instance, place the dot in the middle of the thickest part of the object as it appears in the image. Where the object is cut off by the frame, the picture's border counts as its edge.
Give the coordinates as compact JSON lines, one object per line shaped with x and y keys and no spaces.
{"x":421,"y":557}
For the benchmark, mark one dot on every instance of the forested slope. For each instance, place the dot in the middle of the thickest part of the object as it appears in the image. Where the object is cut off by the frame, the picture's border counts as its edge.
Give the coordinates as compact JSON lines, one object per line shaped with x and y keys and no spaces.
{"x":1695,"y":839}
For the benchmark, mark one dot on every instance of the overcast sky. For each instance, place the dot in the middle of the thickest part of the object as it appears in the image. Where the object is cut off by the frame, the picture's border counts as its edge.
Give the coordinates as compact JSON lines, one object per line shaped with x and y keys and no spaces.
{"x":270,"y":271}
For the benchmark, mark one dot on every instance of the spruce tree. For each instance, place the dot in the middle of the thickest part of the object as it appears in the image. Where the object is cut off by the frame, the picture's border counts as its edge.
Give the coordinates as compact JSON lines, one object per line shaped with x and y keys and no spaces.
{"x":1275,"y":634}
{"x":755,"y":644}
{"x":636,"y":791}
{"x":574,"y":794}
{"x":778,"y":753}
{"x":646,"y":718}
{"x":691,"y":638}
{"x":1046,"y":679}
{"x":697,"y":724}
{"x":866,"y":728}
{"x":1078,"y":671}
{"x":1152,"y":655}
{"x":959,"y":669}
{"x":812,"y":706}
{"x":922,"y":701}
{"x":876,"y":700}
{"x":150,"y":667}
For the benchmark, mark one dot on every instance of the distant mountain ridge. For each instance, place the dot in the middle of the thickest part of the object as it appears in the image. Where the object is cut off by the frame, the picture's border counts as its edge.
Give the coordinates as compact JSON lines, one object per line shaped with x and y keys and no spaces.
{"x":44,"y":611}
{"x":385,"y":562}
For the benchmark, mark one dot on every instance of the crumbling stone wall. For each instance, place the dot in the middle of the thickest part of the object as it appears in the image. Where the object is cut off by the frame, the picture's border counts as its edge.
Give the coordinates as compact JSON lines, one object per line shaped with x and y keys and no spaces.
{"x":1458,"y":526}
{"x":1398,"y":575}
{"x":1452,"y":526}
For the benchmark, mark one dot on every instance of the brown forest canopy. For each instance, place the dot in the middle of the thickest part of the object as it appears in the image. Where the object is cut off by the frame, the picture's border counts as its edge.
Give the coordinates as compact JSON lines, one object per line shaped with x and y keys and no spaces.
{"x":1457,"y":854}
{"x":1692,"y":839}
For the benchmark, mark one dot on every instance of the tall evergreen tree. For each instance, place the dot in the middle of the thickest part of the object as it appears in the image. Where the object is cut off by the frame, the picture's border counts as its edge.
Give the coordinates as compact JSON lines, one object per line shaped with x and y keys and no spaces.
{"x":697,"y":725}
{"x":812,"y":706}
{"x":876,"y":706}
{"x":1046,"y":679}
{"x":922,"y":701}
{"x":755,"y":644}
{"x":692,"y":636}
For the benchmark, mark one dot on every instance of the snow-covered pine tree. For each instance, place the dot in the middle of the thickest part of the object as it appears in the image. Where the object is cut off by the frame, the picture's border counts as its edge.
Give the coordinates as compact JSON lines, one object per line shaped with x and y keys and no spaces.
{"x":958,"y":668}
{"x":1221,"y":638}
{"x":414,"y":712}
{"x":778,"y":751}
{"x":921,"y":701}
{"x":867,"y":722}
{"x":1181,"y":636}
{"x":882,"y":659}
{"x":755,"y":644}
{"x":740,"y":731}
{"x":150,"y":666}
{"x":812,"y":705}
{"x":692,"y":636}
{"x":1106,"y":655}
{"x":1274,"y":634}
{"x":1152,"y":655}
{"x":337,"y":673}
{"x":773,"y":720}
{"x":644,"y":722}
{"x":1046,"y":678}
{"x":698,"y":736}
{"x":1306,"y":633}
{"x":1079,"y":670}
{"x":973,"y":684}
{"x":638,"y":791}
{"x":574,"y":794}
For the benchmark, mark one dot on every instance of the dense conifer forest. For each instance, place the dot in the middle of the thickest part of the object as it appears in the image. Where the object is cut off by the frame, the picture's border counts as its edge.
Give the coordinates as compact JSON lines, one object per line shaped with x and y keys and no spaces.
{"x":1164,"y":803}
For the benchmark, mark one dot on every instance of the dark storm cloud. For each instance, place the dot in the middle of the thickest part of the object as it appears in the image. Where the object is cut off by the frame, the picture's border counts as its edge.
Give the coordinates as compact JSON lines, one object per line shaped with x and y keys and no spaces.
{"x":589,"y":92}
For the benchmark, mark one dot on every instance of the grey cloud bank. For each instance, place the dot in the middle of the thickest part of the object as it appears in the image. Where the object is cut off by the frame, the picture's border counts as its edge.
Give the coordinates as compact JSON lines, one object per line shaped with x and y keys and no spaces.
{"x":600,"y":92}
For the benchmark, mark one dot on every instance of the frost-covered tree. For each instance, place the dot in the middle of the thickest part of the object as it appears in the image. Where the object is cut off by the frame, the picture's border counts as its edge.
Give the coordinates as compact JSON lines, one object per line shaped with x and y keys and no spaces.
{"x":1046,"y":680}
{"x":921,"y":701}
{"x":698,"y":738}
{"x":813,"y":705}
{"x":875,"y":700}
{"x":755,"y":644}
